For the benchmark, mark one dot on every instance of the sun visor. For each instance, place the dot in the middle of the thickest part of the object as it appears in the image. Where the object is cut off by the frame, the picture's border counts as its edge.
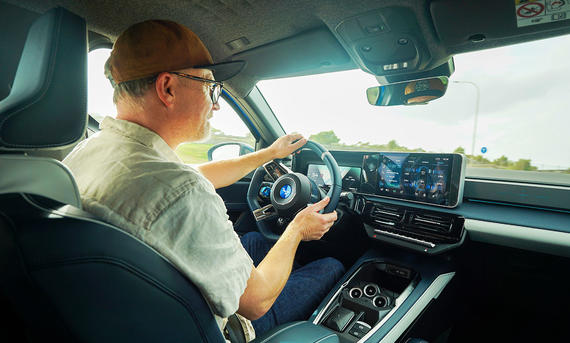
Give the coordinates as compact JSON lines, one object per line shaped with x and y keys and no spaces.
{"x":311,"y":52}
{"x":464,"y":26}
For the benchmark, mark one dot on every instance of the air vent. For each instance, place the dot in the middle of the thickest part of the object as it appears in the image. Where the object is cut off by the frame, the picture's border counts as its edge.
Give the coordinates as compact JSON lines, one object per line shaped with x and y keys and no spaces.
{"x":432,"y":222}
{"x":387,"y":215}
{"x":360,"y":204}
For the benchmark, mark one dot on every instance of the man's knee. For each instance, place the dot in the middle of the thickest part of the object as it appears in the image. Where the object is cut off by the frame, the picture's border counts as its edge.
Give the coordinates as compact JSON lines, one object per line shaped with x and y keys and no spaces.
{"x":256,"y":246}
{"x":328,"y":270}
{"x":253,"y":235}
{"x":251,"y":239}
{"x":334,"y":266}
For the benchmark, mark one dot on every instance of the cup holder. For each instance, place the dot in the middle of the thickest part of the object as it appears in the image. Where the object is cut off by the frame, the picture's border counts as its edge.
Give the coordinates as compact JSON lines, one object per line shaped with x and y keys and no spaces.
{"x":370,"y":290}
{"x":380,"y":301}
{"x":368,"y":295}
{"x":355,"y":293}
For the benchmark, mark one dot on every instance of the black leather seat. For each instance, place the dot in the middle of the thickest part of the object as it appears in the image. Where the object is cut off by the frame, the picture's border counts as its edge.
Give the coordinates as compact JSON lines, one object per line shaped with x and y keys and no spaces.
{"x":65,"y":276}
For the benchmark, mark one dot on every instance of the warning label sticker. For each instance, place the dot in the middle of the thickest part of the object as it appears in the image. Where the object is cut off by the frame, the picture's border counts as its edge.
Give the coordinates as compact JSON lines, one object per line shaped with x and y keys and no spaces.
{"x":534,"y":12}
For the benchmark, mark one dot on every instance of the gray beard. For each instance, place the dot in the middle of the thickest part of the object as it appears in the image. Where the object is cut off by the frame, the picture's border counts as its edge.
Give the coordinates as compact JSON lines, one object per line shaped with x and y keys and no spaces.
{"x":206,"y":134}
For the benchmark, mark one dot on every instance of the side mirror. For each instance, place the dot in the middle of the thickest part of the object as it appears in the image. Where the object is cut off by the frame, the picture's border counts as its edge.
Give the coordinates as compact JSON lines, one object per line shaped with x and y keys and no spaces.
{"x":223,"y":151}
{"x":416,"y":92}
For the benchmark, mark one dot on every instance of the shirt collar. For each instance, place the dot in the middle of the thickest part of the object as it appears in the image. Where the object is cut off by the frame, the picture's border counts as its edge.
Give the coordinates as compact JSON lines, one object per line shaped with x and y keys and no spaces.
{"x":140,"y":134}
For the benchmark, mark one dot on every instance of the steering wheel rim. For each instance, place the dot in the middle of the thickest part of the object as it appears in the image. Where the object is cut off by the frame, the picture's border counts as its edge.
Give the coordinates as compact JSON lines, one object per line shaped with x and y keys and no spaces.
{"x":333,"y":193}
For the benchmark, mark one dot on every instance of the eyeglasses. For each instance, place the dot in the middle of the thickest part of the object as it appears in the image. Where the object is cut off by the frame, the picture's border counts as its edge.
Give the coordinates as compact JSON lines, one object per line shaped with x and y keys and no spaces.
{"x":215,"y":86}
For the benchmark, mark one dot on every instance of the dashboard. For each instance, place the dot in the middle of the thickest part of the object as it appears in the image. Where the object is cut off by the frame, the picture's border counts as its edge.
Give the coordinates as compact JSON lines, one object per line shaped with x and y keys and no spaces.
{"x":423,"y":226}
{"x":434,"y":179}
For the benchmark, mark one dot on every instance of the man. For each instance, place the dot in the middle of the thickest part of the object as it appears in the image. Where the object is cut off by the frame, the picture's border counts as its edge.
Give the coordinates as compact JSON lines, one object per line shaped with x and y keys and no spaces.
{"x":129,"y":175}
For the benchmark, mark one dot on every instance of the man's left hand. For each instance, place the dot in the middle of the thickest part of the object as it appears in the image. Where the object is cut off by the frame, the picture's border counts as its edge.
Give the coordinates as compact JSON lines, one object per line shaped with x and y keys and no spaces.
{"x":286,"y":145}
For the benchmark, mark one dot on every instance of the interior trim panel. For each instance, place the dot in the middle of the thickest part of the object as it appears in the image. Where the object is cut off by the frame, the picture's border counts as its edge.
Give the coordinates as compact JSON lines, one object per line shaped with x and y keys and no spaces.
{"x":520,"y":237}
{"x":434,"y":290}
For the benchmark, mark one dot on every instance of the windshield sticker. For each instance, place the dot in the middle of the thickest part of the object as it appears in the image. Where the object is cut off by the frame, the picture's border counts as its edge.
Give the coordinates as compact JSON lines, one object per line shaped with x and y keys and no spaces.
{"x":533,"y":12}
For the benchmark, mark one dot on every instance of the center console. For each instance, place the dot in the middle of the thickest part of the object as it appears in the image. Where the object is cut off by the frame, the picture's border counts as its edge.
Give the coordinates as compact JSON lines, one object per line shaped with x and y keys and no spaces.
{"x":365,"y":301}
{"x":377,"y":300}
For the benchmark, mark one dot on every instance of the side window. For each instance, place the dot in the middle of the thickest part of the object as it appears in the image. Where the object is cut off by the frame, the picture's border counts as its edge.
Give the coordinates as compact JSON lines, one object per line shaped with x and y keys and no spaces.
{"x":226,"y":125}
{"x":99,"y":90}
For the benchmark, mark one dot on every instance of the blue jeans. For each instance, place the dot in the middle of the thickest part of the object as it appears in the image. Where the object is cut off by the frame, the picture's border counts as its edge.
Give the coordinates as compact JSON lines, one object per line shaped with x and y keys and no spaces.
{"x":306,"y":287}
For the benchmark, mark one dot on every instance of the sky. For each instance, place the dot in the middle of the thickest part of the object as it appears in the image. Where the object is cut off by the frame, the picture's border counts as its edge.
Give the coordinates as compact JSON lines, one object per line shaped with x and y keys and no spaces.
{"x":523,"y":108}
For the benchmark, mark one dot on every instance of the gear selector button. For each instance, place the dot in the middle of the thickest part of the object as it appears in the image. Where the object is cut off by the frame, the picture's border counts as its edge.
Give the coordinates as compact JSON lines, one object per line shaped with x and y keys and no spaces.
{"x":339,"y":319}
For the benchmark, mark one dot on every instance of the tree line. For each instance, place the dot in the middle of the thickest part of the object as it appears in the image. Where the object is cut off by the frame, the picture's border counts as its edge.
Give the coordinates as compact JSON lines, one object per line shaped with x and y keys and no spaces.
{"x":331,"y":140}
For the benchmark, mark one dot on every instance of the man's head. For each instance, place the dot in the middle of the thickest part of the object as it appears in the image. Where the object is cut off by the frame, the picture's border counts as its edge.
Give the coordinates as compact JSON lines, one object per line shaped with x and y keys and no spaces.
{"x":163,"y":73}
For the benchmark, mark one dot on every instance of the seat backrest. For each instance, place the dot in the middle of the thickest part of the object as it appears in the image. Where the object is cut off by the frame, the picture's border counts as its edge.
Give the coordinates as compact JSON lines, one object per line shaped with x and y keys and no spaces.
{"x":82,"y":280}
{"x":65,"y":275}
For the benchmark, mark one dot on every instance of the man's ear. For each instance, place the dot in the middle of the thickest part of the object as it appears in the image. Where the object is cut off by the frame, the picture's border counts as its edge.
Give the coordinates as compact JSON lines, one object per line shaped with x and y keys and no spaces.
{"x":165,"y":88}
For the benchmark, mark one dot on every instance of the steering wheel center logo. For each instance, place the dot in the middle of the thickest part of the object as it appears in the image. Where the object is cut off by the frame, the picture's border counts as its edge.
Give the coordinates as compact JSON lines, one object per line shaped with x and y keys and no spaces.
{"x":285,"y":191}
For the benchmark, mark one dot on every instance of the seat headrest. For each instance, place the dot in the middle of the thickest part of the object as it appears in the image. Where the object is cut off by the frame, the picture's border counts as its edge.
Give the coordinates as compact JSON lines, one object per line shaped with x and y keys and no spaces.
{"x":39,"y":176}
{"x":47,"y":105}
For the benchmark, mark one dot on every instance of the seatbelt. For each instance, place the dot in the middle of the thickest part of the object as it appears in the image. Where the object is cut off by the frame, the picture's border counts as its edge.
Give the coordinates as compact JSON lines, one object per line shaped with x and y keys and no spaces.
{"x":234,"y":330}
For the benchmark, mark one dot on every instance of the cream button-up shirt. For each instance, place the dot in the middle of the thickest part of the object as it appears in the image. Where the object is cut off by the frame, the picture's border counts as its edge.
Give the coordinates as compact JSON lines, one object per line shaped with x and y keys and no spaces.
{"x":128,"y":176}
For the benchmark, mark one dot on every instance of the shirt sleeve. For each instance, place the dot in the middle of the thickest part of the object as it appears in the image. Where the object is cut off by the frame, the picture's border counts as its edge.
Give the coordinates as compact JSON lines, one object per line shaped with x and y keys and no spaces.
{"x":195,"y":234}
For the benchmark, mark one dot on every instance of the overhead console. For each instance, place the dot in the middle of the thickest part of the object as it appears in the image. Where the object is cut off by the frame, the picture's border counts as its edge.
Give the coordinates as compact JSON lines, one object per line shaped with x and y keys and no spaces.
{"x":385,"y":41}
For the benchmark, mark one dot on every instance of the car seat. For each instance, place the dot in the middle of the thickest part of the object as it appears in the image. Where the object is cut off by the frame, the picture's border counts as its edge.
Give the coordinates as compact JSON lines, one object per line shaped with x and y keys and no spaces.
{"x":65,"y":275}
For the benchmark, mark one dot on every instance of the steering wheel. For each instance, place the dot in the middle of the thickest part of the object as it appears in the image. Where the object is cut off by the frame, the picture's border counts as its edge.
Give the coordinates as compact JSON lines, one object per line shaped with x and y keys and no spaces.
{"x":290,"y":192}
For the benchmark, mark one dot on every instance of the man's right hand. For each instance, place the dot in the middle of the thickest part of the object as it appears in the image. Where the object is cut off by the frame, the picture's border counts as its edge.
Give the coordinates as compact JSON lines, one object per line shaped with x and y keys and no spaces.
{"x":311,"y":224}
{"x":268,"y":279}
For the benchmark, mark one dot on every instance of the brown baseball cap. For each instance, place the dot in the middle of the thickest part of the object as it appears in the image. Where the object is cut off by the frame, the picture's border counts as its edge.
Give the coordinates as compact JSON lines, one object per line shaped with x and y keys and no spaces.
{"x":154,"y":46}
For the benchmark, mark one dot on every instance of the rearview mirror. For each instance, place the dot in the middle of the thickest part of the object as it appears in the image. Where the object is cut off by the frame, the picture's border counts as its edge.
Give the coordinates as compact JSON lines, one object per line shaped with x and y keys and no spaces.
{"x":417,"y":92}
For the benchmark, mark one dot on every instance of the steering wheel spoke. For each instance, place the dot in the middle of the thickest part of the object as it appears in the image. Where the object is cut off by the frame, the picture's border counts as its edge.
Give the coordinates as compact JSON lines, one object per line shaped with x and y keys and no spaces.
{"x":266,"y":212}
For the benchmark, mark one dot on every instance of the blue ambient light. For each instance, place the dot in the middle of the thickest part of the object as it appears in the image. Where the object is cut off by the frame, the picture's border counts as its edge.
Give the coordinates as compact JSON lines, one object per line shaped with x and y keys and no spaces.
{"x":265,"y":191}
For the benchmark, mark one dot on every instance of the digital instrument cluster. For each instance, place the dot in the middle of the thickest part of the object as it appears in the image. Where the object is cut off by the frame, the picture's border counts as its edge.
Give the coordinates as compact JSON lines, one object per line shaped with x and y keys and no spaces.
{"x":275,"y":170}
{"x":435,"y":179}
{"x":321,"y":176}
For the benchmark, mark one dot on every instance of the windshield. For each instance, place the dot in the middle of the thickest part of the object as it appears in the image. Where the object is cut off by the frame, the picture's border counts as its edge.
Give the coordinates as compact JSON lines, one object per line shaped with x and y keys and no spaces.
{"x":505,"y":108}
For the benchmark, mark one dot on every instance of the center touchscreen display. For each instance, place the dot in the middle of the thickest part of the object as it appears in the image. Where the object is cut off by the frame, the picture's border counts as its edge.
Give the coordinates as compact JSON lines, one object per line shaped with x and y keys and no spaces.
{"x":420,"y":177}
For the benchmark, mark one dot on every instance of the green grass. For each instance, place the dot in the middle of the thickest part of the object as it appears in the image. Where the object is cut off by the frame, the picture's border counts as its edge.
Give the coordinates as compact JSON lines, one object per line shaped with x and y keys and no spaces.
{"x":193,"y":153}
